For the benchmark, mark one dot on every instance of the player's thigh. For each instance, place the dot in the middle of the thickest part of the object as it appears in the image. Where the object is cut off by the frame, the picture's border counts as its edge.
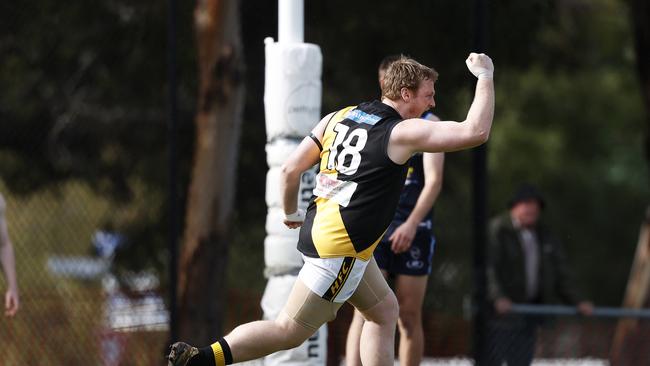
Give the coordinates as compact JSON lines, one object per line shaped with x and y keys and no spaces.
{"x":410,"y":292}
{"x":371,"y":291}
{"x":307,"y":308}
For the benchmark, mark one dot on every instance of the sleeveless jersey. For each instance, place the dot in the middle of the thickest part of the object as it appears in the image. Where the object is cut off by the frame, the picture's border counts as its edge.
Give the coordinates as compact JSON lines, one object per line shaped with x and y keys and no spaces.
{"x":357,"y":187}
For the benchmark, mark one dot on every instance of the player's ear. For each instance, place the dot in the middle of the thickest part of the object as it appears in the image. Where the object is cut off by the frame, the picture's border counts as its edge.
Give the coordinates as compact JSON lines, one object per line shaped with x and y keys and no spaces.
{"x":406,"y":94}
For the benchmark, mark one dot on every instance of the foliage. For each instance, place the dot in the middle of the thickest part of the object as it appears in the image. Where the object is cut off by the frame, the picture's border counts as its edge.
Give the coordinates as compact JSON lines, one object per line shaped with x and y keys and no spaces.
{"x":85,"y":100}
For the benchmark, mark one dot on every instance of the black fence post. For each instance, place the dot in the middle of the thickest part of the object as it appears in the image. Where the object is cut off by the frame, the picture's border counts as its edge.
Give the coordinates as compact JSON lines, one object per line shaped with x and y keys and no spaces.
{"x":172,"y":127}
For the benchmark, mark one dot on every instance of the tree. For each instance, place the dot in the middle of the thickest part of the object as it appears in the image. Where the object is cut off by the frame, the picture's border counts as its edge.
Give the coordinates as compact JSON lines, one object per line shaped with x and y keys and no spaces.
{"x":204,"y":255}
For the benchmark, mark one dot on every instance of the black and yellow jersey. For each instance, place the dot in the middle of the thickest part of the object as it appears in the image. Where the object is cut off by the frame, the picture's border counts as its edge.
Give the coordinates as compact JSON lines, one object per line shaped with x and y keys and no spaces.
{"x":357,"y":187}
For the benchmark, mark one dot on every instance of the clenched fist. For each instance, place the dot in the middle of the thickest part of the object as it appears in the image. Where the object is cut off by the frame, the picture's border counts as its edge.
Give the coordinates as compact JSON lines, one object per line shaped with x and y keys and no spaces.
{"x":480,"y":65}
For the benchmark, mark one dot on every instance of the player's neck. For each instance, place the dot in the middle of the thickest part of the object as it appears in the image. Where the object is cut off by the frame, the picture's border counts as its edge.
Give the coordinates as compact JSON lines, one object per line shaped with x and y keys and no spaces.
{"x":396,"y":105}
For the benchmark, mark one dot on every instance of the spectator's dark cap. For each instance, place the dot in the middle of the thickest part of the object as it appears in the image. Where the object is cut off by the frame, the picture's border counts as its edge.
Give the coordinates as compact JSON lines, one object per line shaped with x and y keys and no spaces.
{"x":526,"y":192}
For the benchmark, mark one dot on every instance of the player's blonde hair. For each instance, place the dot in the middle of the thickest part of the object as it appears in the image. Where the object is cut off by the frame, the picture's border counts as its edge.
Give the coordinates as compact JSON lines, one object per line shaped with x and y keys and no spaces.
{"x":405,"y":72}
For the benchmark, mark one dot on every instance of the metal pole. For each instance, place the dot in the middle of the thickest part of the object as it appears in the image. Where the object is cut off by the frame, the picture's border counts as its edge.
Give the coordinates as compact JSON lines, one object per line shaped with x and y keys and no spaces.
{"x":172,"y":157}
{"x":479,"y":194}
{"x":565,"y":310}
{"x":291,"y":21}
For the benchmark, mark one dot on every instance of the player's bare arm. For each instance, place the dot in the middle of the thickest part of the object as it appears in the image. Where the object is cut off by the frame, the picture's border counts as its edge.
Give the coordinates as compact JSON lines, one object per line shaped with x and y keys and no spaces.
{"x":412,"y":135}
{"x":304,"y":157}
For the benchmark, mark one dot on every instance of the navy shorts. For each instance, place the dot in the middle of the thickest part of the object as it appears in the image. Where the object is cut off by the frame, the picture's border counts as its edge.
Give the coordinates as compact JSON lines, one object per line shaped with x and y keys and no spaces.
{"x":414,"y":262}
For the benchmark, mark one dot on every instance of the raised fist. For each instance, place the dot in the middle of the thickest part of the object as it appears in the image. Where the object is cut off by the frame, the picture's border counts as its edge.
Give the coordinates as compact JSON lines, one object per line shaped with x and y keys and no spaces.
{"x":480,"y":65}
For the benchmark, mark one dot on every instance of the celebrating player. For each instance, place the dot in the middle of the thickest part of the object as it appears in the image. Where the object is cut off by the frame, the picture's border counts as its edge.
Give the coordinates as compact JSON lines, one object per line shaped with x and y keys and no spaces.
{"x":363,"y":152}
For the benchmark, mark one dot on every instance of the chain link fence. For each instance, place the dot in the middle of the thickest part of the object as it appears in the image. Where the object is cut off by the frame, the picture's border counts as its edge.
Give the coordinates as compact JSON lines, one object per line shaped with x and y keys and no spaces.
{"x":74,"y":308}
{"x":537,"y":335}
{"x":83,"y":171}
{"x":547,"y":334}
{"x":79,"y":307}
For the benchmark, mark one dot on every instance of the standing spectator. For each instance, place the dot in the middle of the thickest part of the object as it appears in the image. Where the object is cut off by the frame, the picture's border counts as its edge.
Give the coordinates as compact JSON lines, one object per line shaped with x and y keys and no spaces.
{"x":8,"y":264}
{"x":406,"y":250}
{"x":525,"y":265}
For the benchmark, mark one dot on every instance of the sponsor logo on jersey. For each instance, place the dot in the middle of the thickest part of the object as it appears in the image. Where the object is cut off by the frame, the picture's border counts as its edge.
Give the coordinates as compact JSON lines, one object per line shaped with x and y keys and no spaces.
{"x":360,"y":116}
{"x":327,"y":186}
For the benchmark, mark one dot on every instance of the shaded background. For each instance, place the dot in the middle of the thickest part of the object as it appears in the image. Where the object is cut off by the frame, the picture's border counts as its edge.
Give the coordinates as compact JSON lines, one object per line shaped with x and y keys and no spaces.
{"x":83,"y":148}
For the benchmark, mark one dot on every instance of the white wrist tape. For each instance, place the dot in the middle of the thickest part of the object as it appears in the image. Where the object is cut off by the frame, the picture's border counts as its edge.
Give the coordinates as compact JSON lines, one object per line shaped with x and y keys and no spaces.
{"x":298,"y":216}
{"x":480,"y":72}
{"x":485,"y":74}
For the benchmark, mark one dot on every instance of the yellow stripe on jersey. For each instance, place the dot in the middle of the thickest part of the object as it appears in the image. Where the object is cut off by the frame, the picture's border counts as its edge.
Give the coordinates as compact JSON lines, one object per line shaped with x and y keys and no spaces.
{"x":366,"y":254}
{"x":328,"y":138}
{"x":330,"y":237}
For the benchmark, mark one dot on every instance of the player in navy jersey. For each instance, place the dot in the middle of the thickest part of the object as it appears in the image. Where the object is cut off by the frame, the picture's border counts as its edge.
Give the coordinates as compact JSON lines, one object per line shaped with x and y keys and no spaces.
{"x":362,"y":152}
{"x":406,"y":250}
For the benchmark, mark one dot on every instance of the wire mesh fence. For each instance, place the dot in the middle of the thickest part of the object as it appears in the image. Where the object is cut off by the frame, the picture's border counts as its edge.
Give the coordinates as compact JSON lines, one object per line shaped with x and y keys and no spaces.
{"x":537,"y":335}
{"x":556,"y":334}
{"x":74,"y":310}
{"x":77,"y":309}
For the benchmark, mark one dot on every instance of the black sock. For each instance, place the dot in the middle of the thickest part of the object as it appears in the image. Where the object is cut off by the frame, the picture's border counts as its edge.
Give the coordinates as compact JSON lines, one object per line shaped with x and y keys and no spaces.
{"x":205,"y":357}
{"x":217,"y":354}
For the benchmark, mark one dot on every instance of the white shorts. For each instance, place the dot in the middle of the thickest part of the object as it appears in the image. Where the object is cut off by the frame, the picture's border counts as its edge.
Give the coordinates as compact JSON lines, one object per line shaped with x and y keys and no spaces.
{"x":333,"y":279}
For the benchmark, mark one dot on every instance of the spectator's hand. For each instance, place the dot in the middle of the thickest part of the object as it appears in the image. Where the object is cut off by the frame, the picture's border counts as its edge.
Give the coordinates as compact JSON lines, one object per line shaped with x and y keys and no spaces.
{"x":480,"y":65}
{"x":402,"y":237}
{"x":294,"y":220}
{"x":502,"y":305}
{"x":585,"y":308}
{"x":11,"y":302}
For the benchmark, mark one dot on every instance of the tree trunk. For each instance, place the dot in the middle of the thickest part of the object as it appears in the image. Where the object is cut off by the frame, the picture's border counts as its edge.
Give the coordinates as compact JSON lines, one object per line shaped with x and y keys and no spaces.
{"x":637,"y":288}
{"x":636,"y":295}
{"x":204,"y":255}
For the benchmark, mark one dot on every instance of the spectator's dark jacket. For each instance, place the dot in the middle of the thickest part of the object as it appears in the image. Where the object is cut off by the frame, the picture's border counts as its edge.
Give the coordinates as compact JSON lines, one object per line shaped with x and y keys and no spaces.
{"x":506,"y":276}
